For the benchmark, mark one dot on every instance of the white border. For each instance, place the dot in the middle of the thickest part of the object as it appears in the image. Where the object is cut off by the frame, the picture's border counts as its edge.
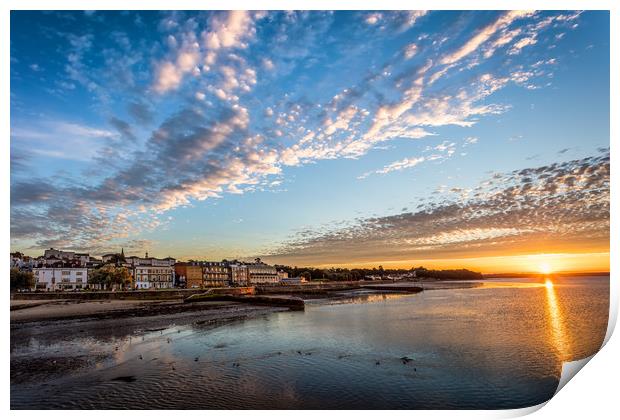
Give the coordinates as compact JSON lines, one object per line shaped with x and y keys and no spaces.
{"x":594,"y":394}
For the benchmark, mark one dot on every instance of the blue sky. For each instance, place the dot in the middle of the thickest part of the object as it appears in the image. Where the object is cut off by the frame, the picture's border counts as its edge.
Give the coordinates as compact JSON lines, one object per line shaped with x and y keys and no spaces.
{"x":217,"y":135}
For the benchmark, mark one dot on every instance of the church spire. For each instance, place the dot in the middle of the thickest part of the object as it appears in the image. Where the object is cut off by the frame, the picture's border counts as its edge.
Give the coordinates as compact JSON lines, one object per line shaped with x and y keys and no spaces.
{"x":122,"y":253}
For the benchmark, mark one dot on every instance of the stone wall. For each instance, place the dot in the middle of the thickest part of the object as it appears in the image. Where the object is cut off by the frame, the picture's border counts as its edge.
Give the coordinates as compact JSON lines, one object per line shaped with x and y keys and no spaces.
{"x":131,"y":295}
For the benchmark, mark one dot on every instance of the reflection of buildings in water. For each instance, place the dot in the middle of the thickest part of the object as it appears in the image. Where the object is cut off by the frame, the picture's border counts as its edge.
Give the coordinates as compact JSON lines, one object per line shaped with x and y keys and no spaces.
{"x":556,"y":322}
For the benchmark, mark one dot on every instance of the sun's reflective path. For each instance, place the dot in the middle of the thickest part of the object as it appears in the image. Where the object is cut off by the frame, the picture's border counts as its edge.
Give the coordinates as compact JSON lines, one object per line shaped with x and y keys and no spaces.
{"x":556,"y":321}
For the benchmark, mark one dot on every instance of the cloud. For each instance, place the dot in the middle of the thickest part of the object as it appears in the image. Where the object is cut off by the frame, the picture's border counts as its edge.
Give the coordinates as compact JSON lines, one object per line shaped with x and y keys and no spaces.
{"x":226,"y":30}
{"x":123,"y":128}
{"x":141,"y":112}
{"x":268,"y":64}
{"x":230,"y":30}
{"x":373,"y":18}
{"x":397,"y":166}
{"x":395,"y":21}
{"x":446,"y":149}
{"x":522,"y":43}
{"x":554,"y":208}
{"x":410,"y":50}
{"x":170,"y":74}
{"x":484,"y":34}
{"x":60,"y":139}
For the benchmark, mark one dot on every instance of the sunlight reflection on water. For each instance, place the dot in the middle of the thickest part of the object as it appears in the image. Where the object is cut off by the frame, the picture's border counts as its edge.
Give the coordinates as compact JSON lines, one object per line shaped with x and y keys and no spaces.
{"x":557,"y":331}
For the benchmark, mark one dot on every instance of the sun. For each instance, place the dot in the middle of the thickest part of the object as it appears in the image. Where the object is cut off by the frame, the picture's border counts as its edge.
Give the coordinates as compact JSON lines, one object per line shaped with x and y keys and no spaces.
{"x":544,"y":268}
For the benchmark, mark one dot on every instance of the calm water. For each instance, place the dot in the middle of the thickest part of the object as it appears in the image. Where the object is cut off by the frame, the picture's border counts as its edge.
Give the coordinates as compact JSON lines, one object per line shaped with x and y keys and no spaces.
{"x":499,"y":346}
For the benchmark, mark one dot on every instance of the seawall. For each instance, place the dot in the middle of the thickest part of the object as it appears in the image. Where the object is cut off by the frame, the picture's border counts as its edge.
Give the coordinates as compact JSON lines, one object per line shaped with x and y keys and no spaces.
{"x":132,"y":294}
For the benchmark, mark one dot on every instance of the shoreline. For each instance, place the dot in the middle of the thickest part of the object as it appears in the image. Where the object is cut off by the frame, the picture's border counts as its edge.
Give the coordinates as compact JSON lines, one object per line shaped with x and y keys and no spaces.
{"x":105,"y":321}
{"x":70,"y":310}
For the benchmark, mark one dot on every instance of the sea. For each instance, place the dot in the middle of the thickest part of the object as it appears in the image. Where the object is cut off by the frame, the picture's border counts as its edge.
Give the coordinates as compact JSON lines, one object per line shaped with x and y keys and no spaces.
{"x":497,"y":346}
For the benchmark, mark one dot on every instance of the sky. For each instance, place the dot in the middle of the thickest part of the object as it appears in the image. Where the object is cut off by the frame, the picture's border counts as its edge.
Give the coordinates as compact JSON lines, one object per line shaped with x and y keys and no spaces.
{"x":323,"y":138}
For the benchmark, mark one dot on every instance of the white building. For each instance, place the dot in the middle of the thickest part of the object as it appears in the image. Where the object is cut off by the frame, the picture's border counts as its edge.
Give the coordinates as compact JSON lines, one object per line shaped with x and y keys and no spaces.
{"x":261,"y":273}
{"x":153,"y":277}
{"x":293,"y":280}
{"x":58,"y":279}
{"x":58,"y":254}
{"x":54,"y":256}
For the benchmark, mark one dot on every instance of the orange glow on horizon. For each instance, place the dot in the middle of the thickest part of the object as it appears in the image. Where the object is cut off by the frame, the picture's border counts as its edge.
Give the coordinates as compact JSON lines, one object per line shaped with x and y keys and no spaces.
{"x":528,"y":263}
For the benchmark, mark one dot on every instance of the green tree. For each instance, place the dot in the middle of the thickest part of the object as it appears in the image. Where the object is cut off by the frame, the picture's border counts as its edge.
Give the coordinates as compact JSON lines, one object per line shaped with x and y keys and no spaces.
{"x":22,"y":279}
{"x":108,"y":277}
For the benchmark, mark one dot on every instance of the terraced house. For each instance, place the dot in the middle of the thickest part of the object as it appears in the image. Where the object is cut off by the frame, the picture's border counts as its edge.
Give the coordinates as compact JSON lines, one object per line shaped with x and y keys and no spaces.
{"x":62,"y":278}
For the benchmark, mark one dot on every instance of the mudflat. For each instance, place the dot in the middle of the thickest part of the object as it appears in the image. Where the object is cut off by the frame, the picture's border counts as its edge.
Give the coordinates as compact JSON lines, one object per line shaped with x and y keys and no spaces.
{"x":52,"y":323}
{"x":51,"y":310}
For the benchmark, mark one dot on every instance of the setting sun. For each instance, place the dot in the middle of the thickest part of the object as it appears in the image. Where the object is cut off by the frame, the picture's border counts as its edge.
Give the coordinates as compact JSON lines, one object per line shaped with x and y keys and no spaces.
{"x":544,"y":268}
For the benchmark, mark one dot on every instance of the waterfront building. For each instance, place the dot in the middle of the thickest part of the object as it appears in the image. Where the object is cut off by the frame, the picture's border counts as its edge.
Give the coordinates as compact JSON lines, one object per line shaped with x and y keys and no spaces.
{"x":282,"y":275}
{"x":147,"y":272}
{"x":153,"y":277}
{"x":61,"y":278}
{"x":261,"y":273}
{"x":188,"y":275}
{"x":293,"y":280}
{"x":156,"y":262}
{"x":215,"y":274}
{"x":239,"y":274}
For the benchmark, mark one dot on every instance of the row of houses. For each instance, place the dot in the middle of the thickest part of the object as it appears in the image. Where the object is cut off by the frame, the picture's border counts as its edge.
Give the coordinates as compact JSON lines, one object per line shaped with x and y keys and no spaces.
{"x":199,"y":274}
{"x":64,"y":270}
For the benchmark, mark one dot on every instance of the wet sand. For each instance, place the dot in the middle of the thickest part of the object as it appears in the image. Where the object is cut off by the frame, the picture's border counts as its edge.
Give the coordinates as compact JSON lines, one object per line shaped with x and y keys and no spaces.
{"x":56,"y":310}
{"x":50,"y":322}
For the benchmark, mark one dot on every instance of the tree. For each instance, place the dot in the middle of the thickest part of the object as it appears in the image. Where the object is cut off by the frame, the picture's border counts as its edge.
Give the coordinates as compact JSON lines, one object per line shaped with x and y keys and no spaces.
{"x":22,"y":279}
{"x":108,"y":277}
{"x":306,"y":275}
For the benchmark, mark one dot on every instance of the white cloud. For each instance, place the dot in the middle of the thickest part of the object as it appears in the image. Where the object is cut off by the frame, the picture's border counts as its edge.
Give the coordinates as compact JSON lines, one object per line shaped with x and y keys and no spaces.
{"x":230,"y":31}
{"x":471,"y":140}
{"x":412,"y":16}
{"x":170,"y":74}
{"x":410,"y":50}
{"x":168,"y":77}
{"x":268,"y":64}
{"x":484,"y":34}
{"x":373,"y":18}
{"x":522,"y":43}
{"x":396,"y":166}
